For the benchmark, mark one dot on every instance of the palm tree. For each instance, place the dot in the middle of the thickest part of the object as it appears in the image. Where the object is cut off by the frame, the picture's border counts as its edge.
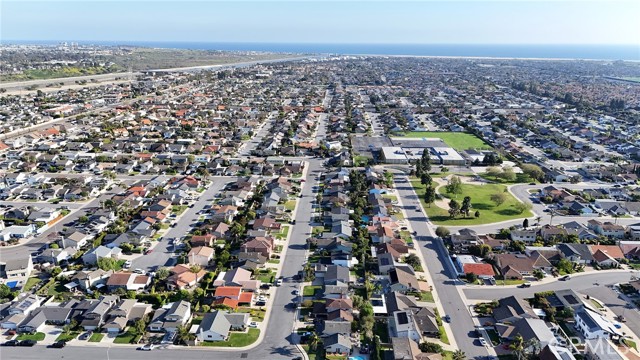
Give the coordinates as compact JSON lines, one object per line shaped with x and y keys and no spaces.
{"x":313,"y":341}
{"x":195,"y":269}
{"x":459,"y":355}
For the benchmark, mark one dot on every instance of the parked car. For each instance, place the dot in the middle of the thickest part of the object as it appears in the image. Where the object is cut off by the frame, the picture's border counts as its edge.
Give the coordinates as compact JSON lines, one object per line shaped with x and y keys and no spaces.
{"x":253,"y":324}
{"x":11,"y":343}
{"x":58,"y":344}
{"x":483,"y":342}
{"x":565,"y":278}
{"x":525,"y":285}
{"x":146,"y":347}
{"x":27,"y":343}
{"x":85,"y":336}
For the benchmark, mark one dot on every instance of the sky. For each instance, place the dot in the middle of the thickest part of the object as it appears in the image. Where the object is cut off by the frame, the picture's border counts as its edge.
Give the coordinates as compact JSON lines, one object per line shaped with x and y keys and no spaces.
{"x":328,"y":21}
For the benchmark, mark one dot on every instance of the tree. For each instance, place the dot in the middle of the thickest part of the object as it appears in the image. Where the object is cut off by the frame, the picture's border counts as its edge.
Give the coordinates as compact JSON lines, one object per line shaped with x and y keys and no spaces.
{"x":425,"y":160}
{"x":465,"y":208}
{"x":459,"y":355}
{"x":195,"y":269}
{"x":414,"y":261}
{"x":454,"y":186}
{"x":366,"y":319}
{"x":426,"y":179}
{"x":140,"y":326}
{"x":522,"y":206}
{"x":533,"y":171}
{"x":5,"y":292}
{"x":454,"y":208}
{"x":525,"y":223}
{"x":565,"y":266}
{"x":162,"y":273}
{"x":56,"y":271}
{"x":54,"y":246}
{"x":312,"y":341}
{"x":430,"y":195}
{"x":538,"y":274}
{"x":442,"y":231}
{"x":429,"y":347}
{"x":498,"y":198}
{"x":471,"y":278}
{"x":107,"y":263}
{"x":508,"y":174}
{"x":493,"y":171}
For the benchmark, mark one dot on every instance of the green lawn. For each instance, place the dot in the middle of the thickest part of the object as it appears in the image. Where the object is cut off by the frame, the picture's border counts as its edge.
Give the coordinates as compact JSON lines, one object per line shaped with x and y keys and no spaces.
{"x":273,"y":261}
{"x":510,"y":282}
{"x":310,"y":290}
{"x":179,"y":209}
{"x":480,"y":200}
{"x":458,"y":141}
{"x":125,"y":338}
{"x":266,"y":278}
{"x":443,"y":334}
{"x":282,"y":234}
{"x":30,"y":283}
{"x":96,"y":337}
{"x":312,"y":355}
{"x":39,"y":336}
{"x":597,"y":304}
{"x":256,"y":314}
{"x":426,"y":296}
{"x":68,"y":337}
{"x":236,"y":339}
{"x":290,"y":205}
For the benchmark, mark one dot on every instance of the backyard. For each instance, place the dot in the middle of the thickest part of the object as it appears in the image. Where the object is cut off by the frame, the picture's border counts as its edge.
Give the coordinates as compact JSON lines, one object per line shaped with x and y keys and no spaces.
{"x":480,"y":201}
{"x":458,"y":141}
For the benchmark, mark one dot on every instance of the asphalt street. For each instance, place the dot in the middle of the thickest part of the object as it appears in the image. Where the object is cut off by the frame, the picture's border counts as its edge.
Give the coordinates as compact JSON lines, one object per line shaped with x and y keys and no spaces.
{"x":442,"y":273}
{"x":162,"y":254}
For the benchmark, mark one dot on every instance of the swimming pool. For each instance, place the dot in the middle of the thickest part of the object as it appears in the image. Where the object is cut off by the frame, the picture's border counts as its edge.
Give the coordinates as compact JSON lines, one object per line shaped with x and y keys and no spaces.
{"x":357,"y":357}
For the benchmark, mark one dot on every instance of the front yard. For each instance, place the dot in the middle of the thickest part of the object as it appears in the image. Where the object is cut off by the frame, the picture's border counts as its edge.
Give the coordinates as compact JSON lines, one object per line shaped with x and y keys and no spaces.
{"x":128,"y":337}
{"x":96,"y":337}
{"x":39,"y":336}
{"x":236,"y":339}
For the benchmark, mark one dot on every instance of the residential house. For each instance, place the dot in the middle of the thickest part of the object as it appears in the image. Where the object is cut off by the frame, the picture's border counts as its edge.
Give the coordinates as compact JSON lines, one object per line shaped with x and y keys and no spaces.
{"x":127,"y":281}
{"x":201,"y":255}
{"x":170,"y":317}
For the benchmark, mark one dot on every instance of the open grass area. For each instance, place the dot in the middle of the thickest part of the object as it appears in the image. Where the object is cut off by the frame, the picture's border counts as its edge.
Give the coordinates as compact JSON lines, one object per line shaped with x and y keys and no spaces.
{"x":458,"y":141}
{"x":510,"y":282}
{"x":480,"y":200}
{"x":68,"y":337}
{"x":236,"y":339}
{"x":128,"y":337}
{"x":290,"y":205}
{"x":273,"y":261}
{"x":310,"y":290}
{"x":96,"y":337}
{"x":31,"y":282}
{"x":39,"y":336}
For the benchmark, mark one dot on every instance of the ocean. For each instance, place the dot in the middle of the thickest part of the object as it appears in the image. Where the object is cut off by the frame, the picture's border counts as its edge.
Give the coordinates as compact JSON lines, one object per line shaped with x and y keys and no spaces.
{"x":600,"y":52}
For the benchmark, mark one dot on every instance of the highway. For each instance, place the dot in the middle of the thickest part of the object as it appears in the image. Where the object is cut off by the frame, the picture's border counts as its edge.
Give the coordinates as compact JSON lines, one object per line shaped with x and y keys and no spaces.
{"x":442,"y":274}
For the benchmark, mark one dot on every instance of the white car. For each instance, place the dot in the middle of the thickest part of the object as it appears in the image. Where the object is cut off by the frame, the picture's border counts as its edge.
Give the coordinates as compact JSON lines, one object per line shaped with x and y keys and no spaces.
{"x":253,"y":324}
{"x":147,"y":347}
{"x":483,"y":342}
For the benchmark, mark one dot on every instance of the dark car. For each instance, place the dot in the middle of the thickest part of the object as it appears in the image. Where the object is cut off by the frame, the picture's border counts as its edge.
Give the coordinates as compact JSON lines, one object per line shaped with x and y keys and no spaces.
{"x":532,"y":183}
{"x":58,"y":344}
{"x":565,"y":278}
{"x":27,"y":343}
{"x":11,"y":343}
